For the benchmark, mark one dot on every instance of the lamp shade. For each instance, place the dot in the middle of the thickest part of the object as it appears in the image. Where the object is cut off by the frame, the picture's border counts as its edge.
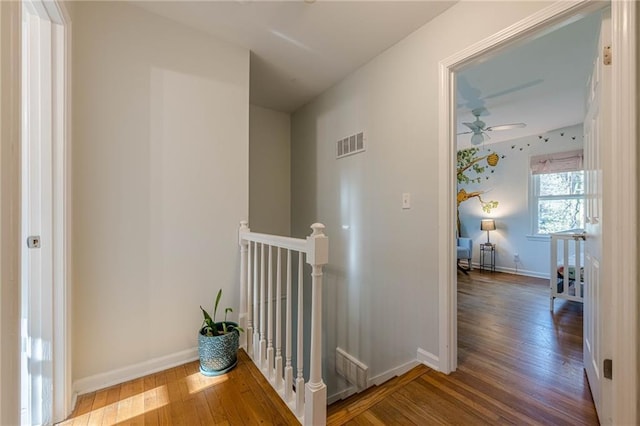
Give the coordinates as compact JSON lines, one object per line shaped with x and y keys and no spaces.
{"x":488,"y":225}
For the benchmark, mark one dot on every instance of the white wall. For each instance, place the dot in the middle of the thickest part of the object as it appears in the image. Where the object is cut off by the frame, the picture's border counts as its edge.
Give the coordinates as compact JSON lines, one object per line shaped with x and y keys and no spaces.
{"x":160,"y":182}
{"x":381,"y":288}
{"x":509,"y":185}
{"x":269,"y":171}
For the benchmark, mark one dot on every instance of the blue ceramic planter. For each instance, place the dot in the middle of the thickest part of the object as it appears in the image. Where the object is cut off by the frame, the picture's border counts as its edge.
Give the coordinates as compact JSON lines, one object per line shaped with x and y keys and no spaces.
{"x":218,"y":354}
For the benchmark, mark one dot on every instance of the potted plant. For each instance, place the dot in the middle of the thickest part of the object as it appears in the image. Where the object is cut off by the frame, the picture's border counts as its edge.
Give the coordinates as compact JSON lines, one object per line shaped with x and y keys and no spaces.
{"x":218,"y":342}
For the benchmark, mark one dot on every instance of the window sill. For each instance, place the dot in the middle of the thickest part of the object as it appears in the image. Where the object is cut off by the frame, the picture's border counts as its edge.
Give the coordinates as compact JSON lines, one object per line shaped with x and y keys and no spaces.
{"x":539,"y":237}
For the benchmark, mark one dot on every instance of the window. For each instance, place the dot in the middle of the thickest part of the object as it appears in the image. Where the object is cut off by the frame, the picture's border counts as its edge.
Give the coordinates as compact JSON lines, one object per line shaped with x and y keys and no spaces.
{"x":557,"y":193}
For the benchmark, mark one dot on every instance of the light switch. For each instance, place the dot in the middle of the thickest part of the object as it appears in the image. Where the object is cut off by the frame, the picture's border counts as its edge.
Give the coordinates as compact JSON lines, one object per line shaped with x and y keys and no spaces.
{"x":406,"y":200}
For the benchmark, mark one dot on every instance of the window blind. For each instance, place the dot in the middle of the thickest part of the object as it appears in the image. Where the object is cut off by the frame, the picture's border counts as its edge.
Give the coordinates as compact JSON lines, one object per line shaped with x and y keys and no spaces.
{"x":570,"y":161}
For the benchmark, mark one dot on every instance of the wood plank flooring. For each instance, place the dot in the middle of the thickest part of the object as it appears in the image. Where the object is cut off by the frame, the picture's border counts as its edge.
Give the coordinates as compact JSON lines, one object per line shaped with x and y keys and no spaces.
{"x":518,"y":364}
{"x":183,"y":396}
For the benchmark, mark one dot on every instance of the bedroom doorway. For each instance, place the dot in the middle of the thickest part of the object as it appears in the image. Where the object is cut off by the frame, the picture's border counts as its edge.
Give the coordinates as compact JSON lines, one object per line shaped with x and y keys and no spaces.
{"x":542,"y":72}
{"x":547,"y":19}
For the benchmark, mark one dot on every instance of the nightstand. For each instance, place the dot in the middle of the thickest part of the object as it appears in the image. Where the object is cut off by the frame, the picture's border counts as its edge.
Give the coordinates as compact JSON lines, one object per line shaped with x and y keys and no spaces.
{"x":488,"y":257}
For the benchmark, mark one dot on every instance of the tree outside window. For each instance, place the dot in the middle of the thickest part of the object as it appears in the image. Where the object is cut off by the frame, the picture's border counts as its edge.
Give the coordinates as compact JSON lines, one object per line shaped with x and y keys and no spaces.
{"x":559,"y":201}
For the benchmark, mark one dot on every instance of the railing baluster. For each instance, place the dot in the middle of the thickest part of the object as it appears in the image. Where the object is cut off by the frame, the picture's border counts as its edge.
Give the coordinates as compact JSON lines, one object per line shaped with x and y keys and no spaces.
{"x":278,"y":366}
{"x":567,"y":272}
{"x":288,"y":370}
{"x":300,"y":355}
{"x":263,"y":313}
{"x":270,"y":319}
{"x":256,"y":305}
{"x":249,"y":331}
{"x":244,"y":284}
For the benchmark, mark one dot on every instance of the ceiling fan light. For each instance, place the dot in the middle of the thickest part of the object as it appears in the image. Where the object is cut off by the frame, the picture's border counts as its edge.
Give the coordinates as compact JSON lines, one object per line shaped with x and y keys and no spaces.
{"x":477,"y":139}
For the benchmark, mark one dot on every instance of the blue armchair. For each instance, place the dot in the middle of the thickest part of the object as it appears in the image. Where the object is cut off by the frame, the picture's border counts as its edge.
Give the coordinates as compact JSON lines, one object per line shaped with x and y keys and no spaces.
{"x":465,"y":251}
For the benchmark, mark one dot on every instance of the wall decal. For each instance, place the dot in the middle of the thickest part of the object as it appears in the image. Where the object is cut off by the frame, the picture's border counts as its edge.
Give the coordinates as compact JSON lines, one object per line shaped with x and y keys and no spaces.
{"x":471,"y":170}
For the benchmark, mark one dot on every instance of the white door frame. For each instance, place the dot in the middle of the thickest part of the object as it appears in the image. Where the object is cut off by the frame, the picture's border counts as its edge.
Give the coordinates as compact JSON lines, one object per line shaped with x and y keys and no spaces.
{"x":10,"y":213}
{"x":622,"y":186}
{"x":61,"y":195}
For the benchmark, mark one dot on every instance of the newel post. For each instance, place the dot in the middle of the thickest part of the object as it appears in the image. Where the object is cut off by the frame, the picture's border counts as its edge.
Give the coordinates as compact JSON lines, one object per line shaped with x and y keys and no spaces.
{"x":242,"y":315}
{"x":315,"y":404}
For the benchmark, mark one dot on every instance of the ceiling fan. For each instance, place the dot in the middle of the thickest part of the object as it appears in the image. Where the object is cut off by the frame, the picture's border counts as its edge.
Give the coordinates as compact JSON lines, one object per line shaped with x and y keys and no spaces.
{"x":479,"y":129}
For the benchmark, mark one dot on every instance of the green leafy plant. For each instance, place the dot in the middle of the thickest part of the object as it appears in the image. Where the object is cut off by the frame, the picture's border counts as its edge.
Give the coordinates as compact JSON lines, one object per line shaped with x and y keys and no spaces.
{"x":209,"y":325}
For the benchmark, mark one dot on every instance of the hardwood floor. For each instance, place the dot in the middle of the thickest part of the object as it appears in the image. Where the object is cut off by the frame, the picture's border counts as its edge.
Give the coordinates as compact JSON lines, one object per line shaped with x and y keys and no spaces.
{"x":183,"y":396}
{"x":518,"y":364}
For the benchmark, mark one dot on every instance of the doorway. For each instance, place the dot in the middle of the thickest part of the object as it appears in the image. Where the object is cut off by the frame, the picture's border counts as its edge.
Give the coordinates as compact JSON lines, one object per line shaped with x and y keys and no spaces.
{"x":45,"y":387}
{"x":517,"y":108}
{"x":623,"y":130}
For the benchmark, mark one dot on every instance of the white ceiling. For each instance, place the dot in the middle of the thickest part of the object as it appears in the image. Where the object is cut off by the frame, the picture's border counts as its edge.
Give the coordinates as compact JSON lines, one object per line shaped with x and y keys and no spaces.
{"x":541,"y":83}
{"x":299,"y":49}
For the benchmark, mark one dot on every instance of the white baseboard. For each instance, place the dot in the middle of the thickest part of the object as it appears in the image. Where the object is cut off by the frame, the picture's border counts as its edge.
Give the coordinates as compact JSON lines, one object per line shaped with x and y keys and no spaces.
{"x":346,"y":393}
{"x":428,"y":359}
{"x":524,"y":272}
{"x":423,"y":357}
{"x":390,"y":374}
{"x":124,"y":374}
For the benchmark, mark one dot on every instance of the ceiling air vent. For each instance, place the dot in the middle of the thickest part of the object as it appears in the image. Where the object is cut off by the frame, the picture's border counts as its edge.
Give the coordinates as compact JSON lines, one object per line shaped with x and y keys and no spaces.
{"x":350,"y":145}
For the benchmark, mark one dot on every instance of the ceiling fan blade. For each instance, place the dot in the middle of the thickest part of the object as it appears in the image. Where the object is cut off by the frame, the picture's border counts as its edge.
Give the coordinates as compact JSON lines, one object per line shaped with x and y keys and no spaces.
{"x":464,"y":133}
{"x":472,"y":126}
{"x":514,"y":89}
{"x":506,"y":127}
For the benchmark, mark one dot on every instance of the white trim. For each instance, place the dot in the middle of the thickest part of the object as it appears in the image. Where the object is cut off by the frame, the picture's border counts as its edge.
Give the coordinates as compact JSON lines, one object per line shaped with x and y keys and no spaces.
{"x":135,"y":371}
{"x":428,"y":359}
{"x":61,"y":42}
{"x":538,"y":237}
{"x":523,"y":272}
{"x":623,"y":196}
{"x":390,"y":374}
{"x":343,"y":394}
{"x":447,"y":289}
{"x":10,"y":187}
{"x":623,"y":184}
{"x":422,"y":357}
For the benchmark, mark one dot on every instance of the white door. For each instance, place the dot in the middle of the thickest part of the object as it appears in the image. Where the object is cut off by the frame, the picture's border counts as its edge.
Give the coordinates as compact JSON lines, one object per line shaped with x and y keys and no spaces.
{"x":37,"y":221}
{"x":597,"y":292}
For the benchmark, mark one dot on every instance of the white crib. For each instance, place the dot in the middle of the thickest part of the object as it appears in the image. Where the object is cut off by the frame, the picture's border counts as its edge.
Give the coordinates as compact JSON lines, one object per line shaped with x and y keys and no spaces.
{"x":566,"y":278}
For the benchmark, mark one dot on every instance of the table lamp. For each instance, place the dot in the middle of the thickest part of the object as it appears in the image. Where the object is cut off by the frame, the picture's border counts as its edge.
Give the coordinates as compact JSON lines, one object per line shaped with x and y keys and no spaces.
{"x":488,"y":225}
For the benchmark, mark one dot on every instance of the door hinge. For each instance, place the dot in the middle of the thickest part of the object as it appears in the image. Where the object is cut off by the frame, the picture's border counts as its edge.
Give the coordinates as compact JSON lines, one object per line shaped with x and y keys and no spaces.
{"x":607,"y":370}
{"x":33,"y":241}
{"x":606,"y":55}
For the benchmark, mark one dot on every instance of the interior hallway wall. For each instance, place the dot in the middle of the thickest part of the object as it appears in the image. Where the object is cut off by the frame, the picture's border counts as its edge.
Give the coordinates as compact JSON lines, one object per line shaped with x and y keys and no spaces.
{"x":269,"y":171}
{"x":381,"y":286}
{"x":160,"y":183}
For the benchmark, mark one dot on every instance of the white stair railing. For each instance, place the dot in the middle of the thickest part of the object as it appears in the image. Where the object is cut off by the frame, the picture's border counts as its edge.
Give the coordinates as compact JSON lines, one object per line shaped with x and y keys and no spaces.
{"x":308,"y":401}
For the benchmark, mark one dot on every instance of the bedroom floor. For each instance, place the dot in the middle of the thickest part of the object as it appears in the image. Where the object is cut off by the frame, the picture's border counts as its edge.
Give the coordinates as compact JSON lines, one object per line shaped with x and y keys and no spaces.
{"x":518,"y":364}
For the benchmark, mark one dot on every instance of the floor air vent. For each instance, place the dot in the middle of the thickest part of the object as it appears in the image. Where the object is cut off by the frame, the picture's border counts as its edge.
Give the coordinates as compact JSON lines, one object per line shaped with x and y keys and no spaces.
{"x":350,"y":145}
{"x":353,"y":370}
